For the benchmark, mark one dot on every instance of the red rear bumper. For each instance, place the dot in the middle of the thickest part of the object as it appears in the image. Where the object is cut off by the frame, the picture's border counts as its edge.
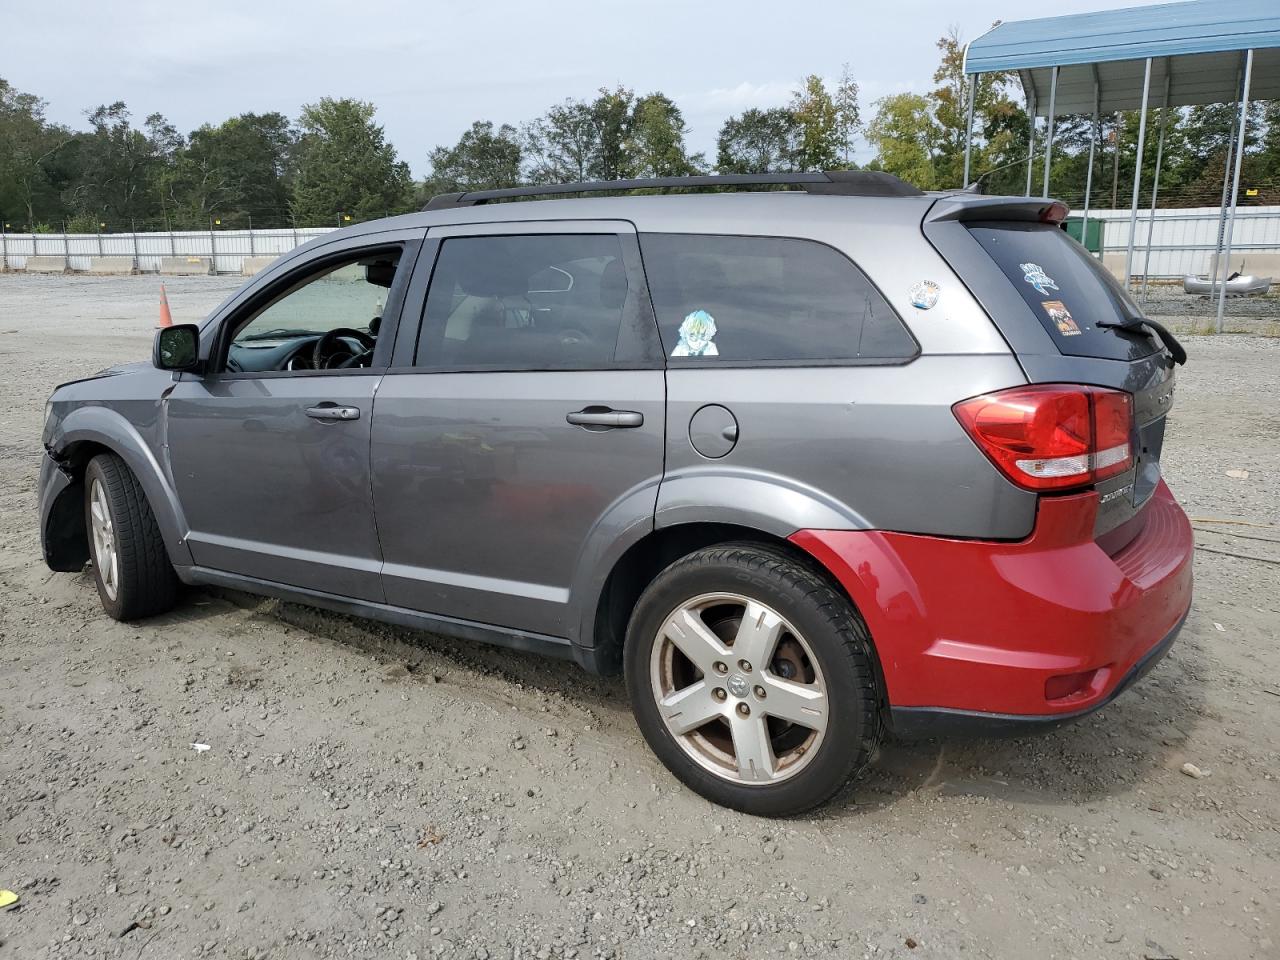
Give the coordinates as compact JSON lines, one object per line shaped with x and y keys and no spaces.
{"x":1045,"y":628}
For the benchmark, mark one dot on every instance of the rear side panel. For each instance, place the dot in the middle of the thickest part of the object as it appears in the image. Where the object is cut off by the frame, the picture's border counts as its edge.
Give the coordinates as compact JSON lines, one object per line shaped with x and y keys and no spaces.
{"x":860,"y":447}
{"x":998,"y":260}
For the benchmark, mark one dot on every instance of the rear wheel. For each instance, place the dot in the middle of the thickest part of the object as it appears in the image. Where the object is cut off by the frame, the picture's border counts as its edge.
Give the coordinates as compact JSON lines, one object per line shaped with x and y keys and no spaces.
{"x":130,"y":564}
{"x":751,"y":679}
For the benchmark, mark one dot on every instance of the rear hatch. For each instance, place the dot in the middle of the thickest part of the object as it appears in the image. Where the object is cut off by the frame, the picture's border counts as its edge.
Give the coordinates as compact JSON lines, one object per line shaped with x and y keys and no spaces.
{"x":1046,"y":294}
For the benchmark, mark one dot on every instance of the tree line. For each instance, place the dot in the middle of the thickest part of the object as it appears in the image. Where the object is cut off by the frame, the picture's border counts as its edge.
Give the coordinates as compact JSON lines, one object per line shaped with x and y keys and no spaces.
{"x":333,"y":164}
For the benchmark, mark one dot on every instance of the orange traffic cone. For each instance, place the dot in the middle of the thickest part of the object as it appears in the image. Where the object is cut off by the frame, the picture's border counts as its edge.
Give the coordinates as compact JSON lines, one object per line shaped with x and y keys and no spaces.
{"x":166,"y":318}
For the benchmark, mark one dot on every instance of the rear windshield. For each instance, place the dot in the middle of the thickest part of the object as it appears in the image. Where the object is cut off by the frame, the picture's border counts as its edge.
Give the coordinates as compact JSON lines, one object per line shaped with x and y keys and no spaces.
{"x":1067,"y":289}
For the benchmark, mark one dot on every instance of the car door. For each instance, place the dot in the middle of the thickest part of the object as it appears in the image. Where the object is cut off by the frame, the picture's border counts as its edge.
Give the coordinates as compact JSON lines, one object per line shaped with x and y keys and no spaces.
{"x":271,"y":465}
{"x":528,"y":426}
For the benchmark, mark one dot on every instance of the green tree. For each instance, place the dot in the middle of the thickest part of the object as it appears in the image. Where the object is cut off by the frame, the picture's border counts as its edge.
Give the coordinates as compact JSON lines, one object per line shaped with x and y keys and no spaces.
{"x":563,"y":145}
{"x":656,"y":144}
{"x":758,"y":141}
{"x":346,"y":166}
{"x":29,"y":145}
{"x":818,"y":125}
{"x":238,"y":170}
{"x":613,"y":114}
{"x":907,"y":138}
{"x":121,"y":167}
{"x":482,"y":159}
{"x":848,"y":115}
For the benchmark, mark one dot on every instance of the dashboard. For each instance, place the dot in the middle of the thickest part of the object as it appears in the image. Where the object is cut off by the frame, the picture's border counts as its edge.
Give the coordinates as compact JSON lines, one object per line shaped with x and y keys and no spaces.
{"x":286,"y":353}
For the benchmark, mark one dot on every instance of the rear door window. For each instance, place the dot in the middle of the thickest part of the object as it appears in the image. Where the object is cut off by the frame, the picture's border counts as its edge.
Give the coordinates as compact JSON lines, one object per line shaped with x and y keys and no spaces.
{"x":526,"y":302}
{"x":1066,"y":288}
{"x":723,"y":299}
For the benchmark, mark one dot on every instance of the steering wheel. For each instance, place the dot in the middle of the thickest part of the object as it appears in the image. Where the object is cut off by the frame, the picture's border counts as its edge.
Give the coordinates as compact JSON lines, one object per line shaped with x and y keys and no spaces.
{"x":330,"y":347}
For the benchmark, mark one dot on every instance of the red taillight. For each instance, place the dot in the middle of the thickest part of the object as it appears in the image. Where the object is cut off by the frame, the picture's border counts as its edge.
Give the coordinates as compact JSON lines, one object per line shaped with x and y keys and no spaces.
{"x":1052,"y":437}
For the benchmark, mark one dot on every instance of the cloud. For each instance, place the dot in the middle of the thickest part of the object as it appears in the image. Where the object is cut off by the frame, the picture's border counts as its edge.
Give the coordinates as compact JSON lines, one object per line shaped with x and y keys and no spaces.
{"x":727,"y":100}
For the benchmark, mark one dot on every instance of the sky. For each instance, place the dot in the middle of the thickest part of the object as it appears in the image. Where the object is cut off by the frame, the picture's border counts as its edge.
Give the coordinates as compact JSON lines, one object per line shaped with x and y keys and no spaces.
{"x":432,"y":68}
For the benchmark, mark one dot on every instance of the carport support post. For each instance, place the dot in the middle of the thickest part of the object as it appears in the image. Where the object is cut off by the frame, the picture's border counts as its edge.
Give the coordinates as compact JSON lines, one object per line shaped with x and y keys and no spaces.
{"x":968,"y":126}
{"x":1088,"y":177}
{"x":1031,"y":138}
{"x":1137,"y":174}
{"x":1048,"y":142}
{"x":1224,"y":265}
{"x":1155,"y":183}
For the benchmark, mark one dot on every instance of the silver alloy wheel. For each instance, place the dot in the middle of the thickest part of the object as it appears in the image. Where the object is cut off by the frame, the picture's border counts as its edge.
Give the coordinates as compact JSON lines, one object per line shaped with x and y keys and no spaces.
{"x":739,"y":688}
{"x":105,"y":557}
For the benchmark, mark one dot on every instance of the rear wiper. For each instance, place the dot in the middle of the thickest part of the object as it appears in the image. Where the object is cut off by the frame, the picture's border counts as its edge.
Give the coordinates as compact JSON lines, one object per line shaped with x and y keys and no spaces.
{"x":1136,"y":324}
{"x":278,"y":334}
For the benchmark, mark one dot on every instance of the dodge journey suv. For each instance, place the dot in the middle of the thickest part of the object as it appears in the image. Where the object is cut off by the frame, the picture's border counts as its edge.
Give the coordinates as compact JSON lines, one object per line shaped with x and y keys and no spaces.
{"x":809,"y":464}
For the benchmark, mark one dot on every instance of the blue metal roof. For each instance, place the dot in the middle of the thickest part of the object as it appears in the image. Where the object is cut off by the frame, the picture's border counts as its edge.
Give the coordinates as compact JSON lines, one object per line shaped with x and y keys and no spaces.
{"x":1196,"y":45}
{"x":1135,"y":33}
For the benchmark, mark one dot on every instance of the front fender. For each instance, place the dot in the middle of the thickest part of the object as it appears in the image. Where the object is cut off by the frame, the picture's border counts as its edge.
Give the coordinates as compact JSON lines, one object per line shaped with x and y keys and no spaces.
{"x":750,"y":498}
{"x":104,"y":426}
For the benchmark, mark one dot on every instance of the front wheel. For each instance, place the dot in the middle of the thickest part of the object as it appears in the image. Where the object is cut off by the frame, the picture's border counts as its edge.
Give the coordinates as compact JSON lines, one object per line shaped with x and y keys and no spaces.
{"x":130,"y":563}
{"x":752,"y":679}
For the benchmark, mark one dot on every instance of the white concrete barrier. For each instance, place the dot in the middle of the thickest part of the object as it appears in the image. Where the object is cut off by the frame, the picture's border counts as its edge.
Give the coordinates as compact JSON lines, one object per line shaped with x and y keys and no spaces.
{"x":46,"y":265}
{"x":251,"y":265}
{"x":1251,"y":264}
{"x":186,"y":266}
{"x":110,"y":266}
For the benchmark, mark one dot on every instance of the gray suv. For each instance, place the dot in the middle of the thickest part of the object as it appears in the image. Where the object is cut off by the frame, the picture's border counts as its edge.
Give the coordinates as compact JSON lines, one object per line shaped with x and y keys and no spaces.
{"x":810,"y":464}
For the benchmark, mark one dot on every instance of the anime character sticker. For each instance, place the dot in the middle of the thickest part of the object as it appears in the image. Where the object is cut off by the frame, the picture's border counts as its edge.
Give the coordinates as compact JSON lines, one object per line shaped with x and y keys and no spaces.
{"x":1061,"y":317}
{"x":697,"y":336}
{"x":1034,"y":274}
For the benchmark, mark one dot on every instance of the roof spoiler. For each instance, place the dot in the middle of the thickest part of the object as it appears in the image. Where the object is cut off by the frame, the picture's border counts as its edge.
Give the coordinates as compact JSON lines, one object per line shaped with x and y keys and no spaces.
{"x":966,"y":207}
{"x":845,"y":183}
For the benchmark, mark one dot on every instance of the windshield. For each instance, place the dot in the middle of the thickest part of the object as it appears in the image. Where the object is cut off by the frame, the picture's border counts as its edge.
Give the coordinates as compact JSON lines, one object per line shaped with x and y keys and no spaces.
{"x":1067,"y":289}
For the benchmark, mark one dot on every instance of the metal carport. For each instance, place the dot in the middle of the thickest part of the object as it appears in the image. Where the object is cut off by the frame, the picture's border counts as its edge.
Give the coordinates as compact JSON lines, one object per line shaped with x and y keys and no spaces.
{"x":1199,"y":52}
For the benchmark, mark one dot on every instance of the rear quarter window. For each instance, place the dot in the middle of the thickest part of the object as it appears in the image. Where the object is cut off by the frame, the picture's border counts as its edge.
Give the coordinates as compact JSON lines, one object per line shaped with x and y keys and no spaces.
{"x":725,"y":300}
{"x":1067,"y":290}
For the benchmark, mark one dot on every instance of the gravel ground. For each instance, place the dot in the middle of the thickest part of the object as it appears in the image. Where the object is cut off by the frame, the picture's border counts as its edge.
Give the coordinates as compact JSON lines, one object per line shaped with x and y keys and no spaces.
{"x":374,"y":792}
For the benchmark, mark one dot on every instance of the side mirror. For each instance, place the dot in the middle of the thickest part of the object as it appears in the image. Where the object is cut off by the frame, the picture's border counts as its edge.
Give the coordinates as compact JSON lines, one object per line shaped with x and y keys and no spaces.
{"x":177,"y":347}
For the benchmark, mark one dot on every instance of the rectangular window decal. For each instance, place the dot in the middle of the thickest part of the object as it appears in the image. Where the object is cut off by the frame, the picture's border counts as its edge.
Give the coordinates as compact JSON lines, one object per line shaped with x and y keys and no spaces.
{"x":1061,"y":317}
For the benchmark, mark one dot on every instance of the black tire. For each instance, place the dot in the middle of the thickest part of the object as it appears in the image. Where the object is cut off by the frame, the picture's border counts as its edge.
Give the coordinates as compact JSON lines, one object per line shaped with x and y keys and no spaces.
{"x":834,"y":633}
{"x":145,"y":584}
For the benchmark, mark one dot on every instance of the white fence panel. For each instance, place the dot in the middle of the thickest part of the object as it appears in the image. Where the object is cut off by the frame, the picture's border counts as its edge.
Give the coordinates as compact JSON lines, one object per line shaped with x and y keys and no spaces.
{"x":1183,"y":241}
{"x":227,"y":249}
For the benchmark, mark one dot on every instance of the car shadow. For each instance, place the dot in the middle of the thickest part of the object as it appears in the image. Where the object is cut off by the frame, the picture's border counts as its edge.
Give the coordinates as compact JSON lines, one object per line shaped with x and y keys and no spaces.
{"x":1106,"y":753}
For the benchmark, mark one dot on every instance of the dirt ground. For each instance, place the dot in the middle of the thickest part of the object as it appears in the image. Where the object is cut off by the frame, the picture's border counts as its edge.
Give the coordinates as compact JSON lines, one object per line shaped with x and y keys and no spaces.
{"x":375,"y":792}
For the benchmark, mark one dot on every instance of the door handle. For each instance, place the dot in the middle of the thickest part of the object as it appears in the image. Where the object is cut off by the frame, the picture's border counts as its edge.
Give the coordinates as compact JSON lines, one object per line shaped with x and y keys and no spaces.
{"x":604,"y":418}
{"x":331,"y":412}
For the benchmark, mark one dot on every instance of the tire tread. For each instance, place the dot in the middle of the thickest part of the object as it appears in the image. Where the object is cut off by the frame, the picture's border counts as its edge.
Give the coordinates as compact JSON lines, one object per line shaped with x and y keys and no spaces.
{"x":147,"y":583}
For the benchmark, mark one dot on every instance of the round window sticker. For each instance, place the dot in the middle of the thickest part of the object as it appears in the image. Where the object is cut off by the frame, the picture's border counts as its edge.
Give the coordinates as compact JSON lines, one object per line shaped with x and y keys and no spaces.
{"x":925,"y":294}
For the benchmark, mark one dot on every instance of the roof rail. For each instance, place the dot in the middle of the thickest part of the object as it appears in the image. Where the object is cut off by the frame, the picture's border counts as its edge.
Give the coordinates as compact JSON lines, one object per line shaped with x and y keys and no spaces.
{"x":847,"y":183}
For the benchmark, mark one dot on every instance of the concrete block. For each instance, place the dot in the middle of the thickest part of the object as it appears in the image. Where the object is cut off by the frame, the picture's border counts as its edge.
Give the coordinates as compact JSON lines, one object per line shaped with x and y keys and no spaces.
{"x":251,"y":265}
{"x":186,"y":266}
{"x":46,"y":265}
{"x":1115,"y":263}
{"x":104,"y":266}
{"x":1254,"y":264}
